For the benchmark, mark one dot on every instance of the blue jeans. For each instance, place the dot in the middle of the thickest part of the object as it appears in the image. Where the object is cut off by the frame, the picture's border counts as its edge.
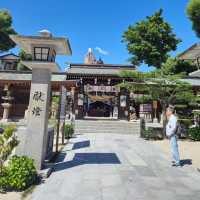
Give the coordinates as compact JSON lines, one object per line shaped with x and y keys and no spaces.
{"x":174,"y":149}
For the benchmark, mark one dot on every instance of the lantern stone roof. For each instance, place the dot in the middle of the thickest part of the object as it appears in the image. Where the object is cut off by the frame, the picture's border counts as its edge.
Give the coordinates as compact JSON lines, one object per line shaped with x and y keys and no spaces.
{"x":61,"y":45}
{"x":27,"y":76}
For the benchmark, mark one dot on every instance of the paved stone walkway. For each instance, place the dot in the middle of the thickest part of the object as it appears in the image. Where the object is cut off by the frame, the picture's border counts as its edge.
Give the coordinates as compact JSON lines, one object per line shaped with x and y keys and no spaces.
{"x":117,"y":167}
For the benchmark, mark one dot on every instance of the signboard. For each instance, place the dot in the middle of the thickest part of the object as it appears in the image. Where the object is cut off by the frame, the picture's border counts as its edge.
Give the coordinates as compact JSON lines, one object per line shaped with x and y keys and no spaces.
{"x":123,"y":101}
{"x":145,"y":108}
{"x":80,"y":99}
{"x":155,"y":104}
{"x":101,"y":88}
{"x":115,"y":112}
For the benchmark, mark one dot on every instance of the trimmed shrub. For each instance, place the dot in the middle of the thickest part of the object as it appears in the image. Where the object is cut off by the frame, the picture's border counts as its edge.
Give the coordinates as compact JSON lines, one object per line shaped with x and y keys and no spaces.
{"x":68,"y":130}
{"x":186,"y":122}
{"x":21,"y":173}
{"x":8,"y":132}
{"x":153,"y":133}
{"x":3,"y":179}
{"x":8,"y":141}
{"x":194,"y":133}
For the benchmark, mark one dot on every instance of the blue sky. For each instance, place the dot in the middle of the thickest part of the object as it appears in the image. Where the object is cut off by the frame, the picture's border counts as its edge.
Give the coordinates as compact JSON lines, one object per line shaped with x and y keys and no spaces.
{"x":96,"y":23}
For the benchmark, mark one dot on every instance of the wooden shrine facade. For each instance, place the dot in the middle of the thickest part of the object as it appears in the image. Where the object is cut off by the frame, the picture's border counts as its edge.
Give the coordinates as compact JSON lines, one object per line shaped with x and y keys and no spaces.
{"x":98,"y":93}
{"x":17,"y":85}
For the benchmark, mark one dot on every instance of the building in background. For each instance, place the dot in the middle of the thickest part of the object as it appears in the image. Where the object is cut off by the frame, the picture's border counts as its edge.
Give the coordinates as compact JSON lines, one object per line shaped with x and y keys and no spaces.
{"x":192,"y":53}
{"x":9,"y":61}
{"x":98,"y":93}
{"x":92,"y":86}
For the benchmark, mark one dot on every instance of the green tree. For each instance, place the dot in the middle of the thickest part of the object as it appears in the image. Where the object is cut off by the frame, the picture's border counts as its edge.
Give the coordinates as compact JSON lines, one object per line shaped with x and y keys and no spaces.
{"x":149,"y":41}
{"x":165,"y":88}
{"x":5,"y":29}
{"x":193,"y":12}
{"x":174,"y":66}
{"x":23,"y":56}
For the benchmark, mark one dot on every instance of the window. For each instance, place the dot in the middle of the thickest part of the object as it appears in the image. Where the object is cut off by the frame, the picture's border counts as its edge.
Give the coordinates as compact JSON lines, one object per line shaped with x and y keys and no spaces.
{"x":8,"y":66}
{"x":41,"y":53}
{"x":53,"y":56}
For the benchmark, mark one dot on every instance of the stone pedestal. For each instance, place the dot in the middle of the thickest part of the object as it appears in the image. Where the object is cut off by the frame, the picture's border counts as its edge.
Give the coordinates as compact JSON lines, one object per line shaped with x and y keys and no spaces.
{"x":37,"y":125}
{"x":115,"y":112}
{"x":155,"y":120}
{"x":6,"y":107}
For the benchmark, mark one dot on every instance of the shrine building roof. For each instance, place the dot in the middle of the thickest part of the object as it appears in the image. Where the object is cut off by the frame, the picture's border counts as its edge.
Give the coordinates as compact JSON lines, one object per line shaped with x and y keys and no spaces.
{"x":191,"y":53}
{"x":98,"y":69}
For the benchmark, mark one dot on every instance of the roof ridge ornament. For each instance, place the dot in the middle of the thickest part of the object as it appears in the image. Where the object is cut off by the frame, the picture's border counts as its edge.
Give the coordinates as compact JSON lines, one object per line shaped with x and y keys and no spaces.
{"x":45,"y":33}
{"x":90,"y":57}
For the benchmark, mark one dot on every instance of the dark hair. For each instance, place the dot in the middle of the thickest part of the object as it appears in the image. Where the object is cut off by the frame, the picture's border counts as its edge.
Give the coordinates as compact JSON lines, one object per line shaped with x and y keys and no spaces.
{"x":171,"y":108}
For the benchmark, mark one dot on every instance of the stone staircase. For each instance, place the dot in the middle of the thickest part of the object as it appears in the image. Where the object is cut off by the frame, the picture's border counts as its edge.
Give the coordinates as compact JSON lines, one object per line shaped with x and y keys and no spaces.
{"x":107,"y":126}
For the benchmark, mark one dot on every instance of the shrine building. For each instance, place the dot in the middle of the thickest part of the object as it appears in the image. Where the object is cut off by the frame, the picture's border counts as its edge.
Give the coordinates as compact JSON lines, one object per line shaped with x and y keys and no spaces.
{"x":92,"y":87}
{"x":94,"y":84}
{"x":98,"y":94}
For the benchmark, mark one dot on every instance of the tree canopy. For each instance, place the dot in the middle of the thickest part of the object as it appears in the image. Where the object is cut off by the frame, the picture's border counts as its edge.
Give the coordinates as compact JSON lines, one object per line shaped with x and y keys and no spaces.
{"x":5,"y":29}
{"x":149,"y":41}
{"x":176,"y":66}
{"x":193,"y":12}
{"x":167,"y":89}
{"x":23,"y":56}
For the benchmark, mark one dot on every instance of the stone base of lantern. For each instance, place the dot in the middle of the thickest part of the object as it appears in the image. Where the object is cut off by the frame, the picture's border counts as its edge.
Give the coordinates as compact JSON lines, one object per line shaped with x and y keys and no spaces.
{"x":5,"y":120}
{"x":155,"y":120}
{"x":6,"y":107}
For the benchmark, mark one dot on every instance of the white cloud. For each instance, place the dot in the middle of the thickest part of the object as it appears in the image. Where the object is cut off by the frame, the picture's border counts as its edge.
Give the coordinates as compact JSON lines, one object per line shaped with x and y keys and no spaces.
{"x":101,"y":51}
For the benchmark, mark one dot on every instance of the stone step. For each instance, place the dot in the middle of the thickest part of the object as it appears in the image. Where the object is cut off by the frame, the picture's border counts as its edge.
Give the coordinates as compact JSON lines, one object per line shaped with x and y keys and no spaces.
{"x":105,"y":131}
{"x":93,"y":128}
{"x":103,"y":124}
{"x":108,"y":126}
{"x":108,"y":122}
{"x":108,"y":130}
{"x":116,"y":132}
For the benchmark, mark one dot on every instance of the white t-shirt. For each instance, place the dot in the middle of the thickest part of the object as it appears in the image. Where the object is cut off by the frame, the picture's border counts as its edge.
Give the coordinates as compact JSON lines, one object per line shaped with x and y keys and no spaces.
{"x":171,"y":125}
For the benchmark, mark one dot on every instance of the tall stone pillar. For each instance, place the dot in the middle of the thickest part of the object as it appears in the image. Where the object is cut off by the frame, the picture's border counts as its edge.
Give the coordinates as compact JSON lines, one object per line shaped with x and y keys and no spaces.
{"x":37,"y":126}
{"x":46,"y":47}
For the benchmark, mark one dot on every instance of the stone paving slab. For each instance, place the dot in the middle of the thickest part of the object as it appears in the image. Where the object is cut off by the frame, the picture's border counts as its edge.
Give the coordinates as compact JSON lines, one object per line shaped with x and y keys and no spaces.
{"x":117,"y":167}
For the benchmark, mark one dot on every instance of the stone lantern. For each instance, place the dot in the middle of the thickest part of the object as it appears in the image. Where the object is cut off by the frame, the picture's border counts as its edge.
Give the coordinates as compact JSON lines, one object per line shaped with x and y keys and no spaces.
{"x":6,"y":104}
{"x":43,"y":50}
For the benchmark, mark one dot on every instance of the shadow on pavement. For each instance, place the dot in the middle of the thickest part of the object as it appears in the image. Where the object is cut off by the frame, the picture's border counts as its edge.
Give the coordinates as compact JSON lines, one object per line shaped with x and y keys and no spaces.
{"x":88,"y":158}
{"x":60,"y":157}
{"x":79,"y":145}
{"x":186,"y":162}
